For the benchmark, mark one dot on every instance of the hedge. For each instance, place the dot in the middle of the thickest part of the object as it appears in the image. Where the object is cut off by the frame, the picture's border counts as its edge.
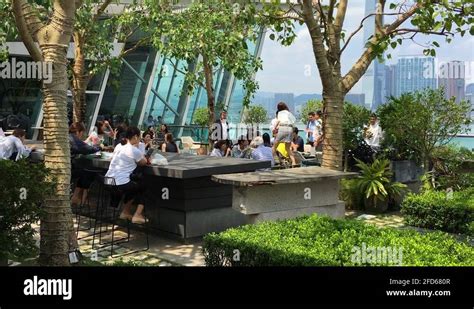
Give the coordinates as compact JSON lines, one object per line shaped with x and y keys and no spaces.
{"x":433,"y":210}
{"x":322,"y":241}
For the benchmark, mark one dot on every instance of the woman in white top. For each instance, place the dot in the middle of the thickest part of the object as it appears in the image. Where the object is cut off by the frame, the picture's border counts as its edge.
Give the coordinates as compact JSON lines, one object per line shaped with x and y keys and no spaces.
{"x":284,"y":130}
{"x":12,"y":147}
{"x":125,"y":160}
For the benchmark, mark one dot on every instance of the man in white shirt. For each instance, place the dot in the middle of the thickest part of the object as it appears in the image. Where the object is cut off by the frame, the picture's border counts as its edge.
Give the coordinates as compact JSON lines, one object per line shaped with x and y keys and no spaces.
{"x":12,"y":147}
{"x":373,"y":134}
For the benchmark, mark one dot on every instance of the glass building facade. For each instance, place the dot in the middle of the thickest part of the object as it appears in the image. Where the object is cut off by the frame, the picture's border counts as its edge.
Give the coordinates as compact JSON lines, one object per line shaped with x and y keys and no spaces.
{"x":148,"y":84}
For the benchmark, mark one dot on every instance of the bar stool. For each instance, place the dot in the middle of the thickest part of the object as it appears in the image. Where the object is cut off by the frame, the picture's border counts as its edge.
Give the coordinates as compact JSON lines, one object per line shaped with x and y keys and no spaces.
{"x":80,"y":210}
{"x":109,"y":198}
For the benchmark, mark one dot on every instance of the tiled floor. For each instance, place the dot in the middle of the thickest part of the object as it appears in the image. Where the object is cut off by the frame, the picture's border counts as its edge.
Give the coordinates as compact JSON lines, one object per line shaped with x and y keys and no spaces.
{"x":162,"y":252}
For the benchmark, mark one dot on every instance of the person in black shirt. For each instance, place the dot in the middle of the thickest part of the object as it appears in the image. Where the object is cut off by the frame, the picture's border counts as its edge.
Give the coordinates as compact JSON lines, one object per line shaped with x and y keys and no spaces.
{"x":169,"y":145}
{"x":297,"y":143}
{"x":79,"y":147}
{"x":84,"y":179}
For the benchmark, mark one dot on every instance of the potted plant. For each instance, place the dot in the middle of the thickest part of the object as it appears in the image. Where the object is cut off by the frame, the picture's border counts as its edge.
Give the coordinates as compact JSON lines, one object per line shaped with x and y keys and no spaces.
{"x":375,"y":183}
{"x":201,"y":118}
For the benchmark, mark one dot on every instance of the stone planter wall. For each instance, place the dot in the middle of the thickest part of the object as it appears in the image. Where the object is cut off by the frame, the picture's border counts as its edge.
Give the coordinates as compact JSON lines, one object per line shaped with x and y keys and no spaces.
{"x":406,"y":171}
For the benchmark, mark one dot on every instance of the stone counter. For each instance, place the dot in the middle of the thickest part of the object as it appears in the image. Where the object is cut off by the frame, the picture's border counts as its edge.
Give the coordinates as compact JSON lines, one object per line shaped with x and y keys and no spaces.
{"x":283,"y":194}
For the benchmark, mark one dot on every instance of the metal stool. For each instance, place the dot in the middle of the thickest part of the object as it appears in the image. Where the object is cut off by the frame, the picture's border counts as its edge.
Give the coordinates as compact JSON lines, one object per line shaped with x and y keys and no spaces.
{"x":80,"y":210}
{"x":110,"y":198}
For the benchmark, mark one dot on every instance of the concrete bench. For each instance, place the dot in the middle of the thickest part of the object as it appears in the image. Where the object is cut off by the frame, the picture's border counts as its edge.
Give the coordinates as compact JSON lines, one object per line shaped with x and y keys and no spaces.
{"x":283,"y":194}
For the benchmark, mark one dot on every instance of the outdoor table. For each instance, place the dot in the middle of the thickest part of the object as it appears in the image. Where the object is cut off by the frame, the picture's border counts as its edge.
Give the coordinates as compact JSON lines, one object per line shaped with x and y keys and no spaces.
{"x":289,"y":193}
{"x":181,"y":200}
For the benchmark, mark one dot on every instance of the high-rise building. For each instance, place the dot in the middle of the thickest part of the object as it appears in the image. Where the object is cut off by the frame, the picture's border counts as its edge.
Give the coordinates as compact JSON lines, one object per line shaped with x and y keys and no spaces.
{"x":470,"y":97}
{"x":451,"y":77}
{"x":470,"y":88}
{"x":356,"y":98}
{"x":373,"y":81}
{"x":390,"y":81}
{"x":415,"y":73}
{"x":288,"y":98}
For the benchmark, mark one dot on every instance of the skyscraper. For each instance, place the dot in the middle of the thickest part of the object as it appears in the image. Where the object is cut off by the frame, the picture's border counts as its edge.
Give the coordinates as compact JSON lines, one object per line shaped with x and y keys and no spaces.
{"x":451,"y":77}
{"x":373,"y":81}
{"x":415,"y":73}
{"x":470,"y":97}
{"x":390,"y":80}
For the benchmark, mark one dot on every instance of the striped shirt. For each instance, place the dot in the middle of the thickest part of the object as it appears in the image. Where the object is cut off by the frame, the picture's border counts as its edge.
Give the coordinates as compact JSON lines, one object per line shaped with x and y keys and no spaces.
{"x":263,"y":153}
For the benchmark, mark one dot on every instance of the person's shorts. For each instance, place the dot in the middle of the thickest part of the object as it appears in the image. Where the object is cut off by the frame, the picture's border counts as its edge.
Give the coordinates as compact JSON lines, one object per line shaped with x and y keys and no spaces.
{"x":284,"y":135}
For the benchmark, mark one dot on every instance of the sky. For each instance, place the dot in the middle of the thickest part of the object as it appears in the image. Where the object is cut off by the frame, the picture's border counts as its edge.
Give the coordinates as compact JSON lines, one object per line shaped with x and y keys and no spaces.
{"x":293,"y":69}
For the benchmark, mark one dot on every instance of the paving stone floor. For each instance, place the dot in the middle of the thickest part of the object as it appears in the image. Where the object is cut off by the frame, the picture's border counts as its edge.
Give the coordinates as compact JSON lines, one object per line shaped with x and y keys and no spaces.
{"x":391,"y":219}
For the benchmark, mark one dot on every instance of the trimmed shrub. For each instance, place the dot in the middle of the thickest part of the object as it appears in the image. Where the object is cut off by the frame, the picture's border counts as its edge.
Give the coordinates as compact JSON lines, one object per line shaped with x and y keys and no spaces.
{"x":322,"y":241}
{"x":23,"y":188}
{"x":433,"y":210}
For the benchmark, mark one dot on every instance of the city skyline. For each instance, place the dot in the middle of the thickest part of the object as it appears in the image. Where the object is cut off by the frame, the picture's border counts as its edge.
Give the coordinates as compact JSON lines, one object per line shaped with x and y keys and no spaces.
{"x":285,"y":69}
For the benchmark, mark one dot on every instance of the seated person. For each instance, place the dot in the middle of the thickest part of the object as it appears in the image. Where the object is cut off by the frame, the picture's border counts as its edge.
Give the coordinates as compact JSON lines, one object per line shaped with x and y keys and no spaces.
{"x":221,"y":149}
{"x":13,"y":148}
{"x":78,"y":147}
{"x":125,"y":160}
{"x":266,"y":140}
{"x":160,"y":136}
{"x":297,"y":143}
{"x":146,"y":142}
{"x":240,"y":150}
{"x":261,"y":152}
{"x":169,"y":145}
{"x":101,"y":130}
{"x":119,"y":133}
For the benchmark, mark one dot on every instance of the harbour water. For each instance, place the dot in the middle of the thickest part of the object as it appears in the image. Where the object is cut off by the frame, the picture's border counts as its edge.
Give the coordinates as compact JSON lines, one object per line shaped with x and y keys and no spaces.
{"x":466,"y":140}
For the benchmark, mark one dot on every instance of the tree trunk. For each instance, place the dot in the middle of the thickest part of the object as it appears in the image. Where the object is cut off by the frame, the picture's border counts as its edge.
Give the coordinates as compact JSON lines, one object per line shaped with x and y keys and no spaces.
{"x":80,"y":81}
{"x":332,"y":130}
{"x":210,"y":93}
{"x":57,"y":222}
{"x":53,"y":38}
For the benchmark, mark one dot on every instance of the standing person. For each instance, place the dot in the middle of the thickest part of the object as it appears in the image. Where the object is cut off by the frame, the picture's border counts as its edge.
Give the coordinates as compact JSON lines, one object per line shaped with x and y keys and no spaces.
{"x":373,"y":134}
{"x":125,"y":160}
{"x":285,"y":124}
{"x":220,"y":128}
{"x":297,"y":143}
{"x":310,"y":127}
{"x":159,"y":120}
{"x":169,"y":145}
{"x":273,"y":124}
{"x":318,"y":131}
{"x":149,"y":122}
{"x":13,"y":147}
